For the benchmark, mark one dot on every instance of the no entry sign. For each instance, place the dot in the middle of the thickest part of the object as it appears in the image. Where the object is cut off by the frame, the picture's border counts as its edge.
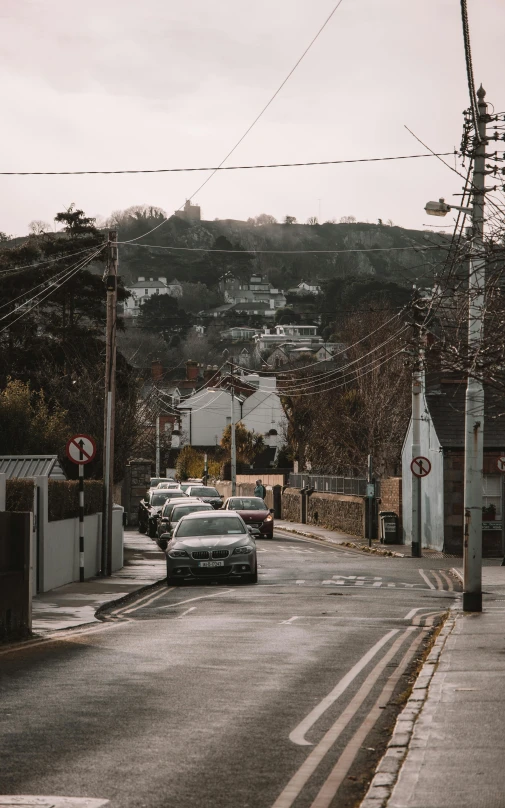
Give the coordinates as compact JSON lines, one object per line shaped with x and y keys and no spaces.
{"x":501,"y":463}
{"x":420,"y":466}
{"x":81,"y":449}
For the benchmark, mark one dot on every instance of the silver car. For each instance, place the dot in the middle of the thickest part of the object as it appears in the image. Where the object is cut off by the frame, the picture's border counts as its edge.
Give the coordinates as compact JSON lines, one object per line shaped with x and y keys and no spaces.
{"x":210,"y":545}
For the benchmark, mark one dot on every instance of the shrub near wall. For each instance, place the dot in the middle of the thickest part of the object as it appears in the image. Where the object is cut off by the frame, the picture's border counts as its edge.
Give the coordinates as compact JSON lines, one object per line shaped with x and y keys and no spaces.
{"x":63,"y":496}
{"x":19,"y":494}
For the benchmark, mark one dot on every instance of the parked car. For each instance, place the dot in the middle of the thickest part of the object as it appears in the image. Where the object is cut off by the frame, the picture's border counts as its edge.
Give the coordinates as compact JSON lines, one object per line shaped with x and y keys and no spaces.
{"x":150,"y":508}
{"x":206,"y":493}
{"x":209,"y":546}
{"x":167,"y":510}
{"x":254,"y":512}
{"x":166,"y":524}
{"x":155,"y":480}
{"x":166,"y":484}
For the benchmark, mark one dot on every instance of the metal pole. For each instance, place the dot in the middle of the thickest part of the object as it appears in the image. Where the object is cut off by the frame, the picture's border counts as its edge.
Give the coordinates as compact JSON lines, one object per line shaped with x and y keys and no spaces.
{"x":110,"y":395}
{"x":157,"y":445}
{"x":417,"y":386}
{"x":81,"y":517}
{"x":474,"y":401}
{"x":205,"y":469}
{"x":370,"y":501}
{"x":233,"y":441}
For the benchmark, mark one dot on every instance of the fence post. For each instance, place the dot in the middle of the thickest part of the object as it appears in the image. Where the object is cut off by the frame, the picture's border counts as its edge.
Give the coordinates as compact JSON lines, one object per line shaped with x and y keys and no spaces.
{"x":277,"y":494}
{"x":40,"y":529}
{"x":3,"y":491}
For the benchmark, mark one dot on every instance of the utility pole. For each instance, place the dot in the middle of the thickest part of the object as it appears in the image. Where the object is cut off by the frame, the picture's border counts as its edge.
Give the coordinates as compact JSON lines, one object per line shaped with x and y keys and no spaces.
{"x":110,"y":400}
{"x":233,"y":441}
{"x":370,"y":499}
{"x":474,"y":401}
{"x":157,"y":444}
{"x":417,"y":389}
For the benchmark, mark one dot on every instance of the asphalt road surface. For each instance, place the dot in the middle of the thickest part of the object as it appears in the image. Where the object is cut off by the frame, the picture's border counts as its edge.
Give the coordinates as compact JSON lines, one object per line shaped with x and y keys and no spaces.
{"x":224,"y":695}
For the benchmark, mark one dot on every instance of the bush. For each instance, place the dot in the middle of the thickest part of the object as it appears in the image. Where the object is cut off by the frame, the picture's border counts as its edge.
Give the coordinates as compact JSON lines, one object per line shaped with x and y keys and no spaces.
{"x":190,"y":463}
{"x":19,"y":494}
{"x":63,"y":498}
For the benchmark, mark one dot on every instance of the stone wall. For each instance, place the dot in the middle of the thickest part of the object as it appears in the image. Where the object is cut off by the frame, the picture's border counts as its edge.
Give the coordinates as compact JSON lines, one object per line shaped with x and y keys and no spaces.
{"x":291,"y":504}
{"x":337,"y":512}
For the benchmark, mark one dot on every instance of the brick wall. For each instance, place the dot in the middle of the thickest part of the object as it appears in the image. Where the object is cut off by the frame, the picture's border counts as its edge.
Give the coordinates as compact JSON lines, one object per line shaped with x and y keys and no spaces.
{"x":391,"y":498}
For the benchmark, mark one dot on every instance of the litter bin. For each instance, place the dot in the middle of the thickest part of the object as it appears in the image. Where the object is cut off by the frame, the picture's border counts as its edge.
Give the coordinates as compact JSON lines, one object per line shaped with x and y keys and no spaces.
{"x":388,"y":527}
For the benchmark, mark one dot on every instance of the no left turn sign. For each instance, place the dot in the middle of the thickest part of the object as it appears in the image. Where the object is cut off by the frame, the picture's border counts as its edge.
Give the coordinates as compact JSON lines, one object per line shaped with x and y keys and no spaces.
{"x":420,"y":466}
{"x":501,"y":463}
{"x":81,"y":449}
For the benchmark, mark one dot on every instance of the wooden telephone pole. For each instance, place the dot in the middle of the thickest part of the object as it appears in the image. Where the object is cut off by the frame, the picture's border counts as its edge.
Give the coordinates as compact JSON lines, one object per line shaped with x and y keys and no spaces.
{"x":110,"y":401}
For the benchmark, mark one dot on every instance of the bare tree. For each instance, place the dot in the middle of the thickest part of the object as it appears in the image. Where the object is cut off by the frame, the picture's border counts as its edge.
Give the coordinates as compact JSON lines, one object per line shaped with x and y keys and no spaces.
{"x":347,"y":220}
{"x":37,"y":227}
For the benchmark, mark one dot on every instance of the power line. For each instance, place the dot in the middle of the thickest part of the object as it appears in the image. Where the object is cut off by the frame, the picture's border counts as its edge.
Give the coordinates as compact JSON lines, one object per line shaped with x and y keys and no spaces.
{"x":257,"y":118}
{"x":253,"y":251}
{"x":221,"y":167}
{"x":469,"y":67}
{"x":42,"y":263}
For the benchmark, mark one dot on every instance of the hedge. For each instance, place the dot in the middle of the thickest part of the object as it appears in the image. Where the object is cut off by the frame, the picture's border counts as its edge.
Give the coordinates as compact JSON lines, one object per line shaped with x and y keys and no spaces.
{"x":63,"y":498}
{"x":19,"y":494}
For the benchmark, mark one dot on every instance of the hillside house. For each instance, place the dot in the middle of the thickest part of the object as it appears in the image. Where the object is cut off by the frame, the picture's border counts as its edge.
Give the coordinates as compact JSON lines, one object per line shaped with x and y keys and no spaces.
{"x":145,"y":288}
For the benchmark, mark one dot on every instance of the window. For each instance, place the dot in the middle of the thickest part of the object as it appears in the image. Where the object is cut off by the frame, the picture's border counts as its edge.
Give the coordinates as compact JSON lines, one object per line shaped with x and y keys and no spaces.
{"x":491,"y":498}
{"x":146,"y":291}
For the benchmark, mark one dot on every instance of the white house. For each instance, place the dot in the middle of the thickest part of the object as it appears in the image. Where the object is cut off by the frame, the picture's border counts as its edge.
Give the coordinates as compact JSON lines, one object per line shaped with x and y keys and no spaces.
{"x":205,"y":415}
{"x":145,"y":288}
{"x":305,"y":288}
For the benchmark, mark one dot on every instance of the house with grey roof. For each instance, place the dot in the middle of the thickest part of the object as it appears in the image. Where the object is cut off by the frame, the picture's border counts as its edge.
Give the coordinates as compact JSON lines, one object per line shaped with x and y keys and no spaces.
{"x":145,"y":288}
{"x":443,"y":444}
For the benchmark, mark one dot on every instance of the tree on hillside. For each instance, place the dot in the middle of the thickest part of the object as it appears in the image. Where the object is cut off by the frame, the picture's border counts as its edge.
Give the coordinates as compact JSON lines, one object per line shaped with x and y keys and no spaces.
{"x":262,"y":219}
{"x":290,"y":220}
{"x":198,"y":297}
{"x":248,"y":442}
{"x":286,"y":315}
{"x":161,"y":314}
{"x":347,"y":220}
{"x":312,"y":220}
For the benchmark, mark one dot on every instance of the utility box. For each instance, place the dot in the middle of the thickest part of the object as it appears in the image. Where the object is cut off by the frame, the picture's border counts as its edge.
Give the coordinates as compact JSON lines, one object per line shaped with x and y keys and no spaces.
{"x":388,"y":527}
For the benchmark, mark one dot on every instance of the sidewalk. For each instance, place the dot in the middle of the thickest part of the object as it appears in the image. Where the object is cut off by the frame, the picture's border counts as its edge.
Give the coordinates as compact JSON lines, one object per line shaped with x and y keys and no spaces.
{"x":452,"y":756}
{"x":75,"y":604}
{"x":336,"y":537}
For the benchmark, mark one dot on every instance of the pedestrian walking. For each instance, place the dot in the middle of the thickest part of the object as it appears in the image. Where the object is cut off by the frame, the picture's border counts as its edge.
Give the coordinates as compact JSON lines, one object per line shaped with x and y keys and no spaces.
{"x":260,"y":490}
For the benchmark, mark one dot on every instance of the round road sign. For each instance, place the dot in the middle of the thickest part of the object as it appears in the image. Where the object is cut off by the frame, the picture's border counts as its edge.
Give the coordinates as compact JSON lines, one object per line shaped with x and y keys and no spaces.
{"x":81,"y":449}
{"x":420,"y":466}
{"x":501,"y":463}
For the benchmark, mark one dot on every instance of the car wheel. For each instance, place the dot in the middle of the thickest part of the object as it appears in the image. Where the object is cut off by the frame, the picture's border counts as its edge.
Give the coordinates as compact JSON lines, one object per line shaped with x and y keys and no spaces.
{"x":151,"y":532}
{"x":175,"y":581}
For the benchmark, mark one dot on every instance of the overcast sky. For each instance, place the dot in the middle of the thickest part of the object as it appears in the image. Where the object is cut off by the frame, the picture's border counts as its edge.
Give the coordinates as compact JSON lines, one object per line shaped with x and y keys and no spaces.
{"x":117,"y":84}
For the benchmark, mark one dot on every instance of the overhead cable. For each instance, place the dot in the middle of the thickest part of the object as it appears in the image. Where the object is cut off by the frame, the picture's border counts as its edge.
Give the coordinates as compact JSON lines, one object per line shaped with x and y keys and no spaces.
{"x":220,"y":167}
{"x":262,"y":111}
{"x":418,"y":248}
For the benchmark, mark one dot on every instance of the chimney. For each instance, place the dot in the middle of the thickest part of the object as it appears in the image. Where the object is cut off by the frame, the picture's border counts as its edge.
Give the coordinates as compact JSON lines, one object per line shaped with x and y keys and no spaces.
{"x":141,"y":278}
{"x":209,"y":374}
{"x":192,"y":368}
{"x":156,"y":370}
{"x":163,"y":280}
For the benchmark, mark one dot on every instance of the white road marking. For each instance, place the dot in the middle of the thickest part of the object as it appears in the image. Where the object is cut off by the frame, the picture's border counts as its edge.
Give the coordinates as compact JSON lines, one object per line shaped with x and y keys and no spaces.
{"x":298,"y":734}
{"x":425,"y":578}
{"x":449,"y":580}
{"x":288,"y":622}
{"x":438,"y":579}
{"x":412,"y":612}
{"x":345,"y":761}
{"x":299,"y":582}
{"x":145,"y":601}
{"x":33,"y":801}
{"x":191,"y":609}
{"x":309,"y":766}
{"x":201,"y":597}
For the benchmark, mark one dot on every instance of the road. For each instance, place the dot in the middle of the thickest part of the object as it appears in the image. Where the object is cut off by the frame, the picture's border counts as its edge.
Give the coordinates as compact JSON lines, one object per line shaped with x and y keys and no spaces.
{"x":227,"y":696}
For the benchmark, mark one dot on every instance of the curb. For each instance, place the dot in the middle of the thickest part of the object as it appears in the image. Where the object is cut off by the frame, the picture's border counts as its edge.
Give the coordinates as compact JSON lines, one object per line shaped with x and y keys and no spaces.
{"x":457,"y":574}
{"x":350,"y":544}
{"x":130,"y":596}
{"x":387,"y":771}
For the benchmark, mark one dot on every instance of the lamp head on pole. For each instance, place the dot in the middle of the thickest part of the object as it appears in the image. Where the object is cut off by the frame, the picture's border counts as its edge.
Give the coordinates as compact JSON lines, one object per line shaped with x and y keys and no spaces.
{"x":440,"y":208}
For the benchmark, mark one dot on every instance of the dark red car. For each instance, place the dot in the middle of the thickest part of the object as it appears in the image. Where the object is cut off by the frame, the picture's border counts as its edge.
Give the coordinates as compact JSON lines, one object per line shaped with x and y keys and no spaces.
{"x":254,"y":512}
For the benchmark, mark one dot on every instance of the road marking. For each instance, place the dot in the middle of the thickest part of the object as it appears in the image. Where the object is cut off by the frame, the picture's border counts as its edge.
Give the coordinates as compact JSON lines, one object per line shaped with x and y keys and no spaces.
{"x":449,"y":580}
{"x":412,"y":612}
{"x":346,"y":759}
{"x":145,"y":601}
{"x":298,"y":734}
{"x":290,"y":793}
{"x":191,"y":609}
{"x":299,"y":582}
{"x":201,"y":597}
{"x":288,"y":622}
{"x":33,"y":801}
{"x":438,"y":579}
{"x":425,"y":578}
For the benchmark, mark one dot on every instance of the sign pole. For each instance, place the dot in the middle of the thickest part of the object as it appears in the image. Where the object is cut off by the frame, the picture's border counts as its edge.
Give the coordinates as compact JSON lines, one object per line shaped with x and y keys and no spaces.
{"x":420,"y":467}
{"x":81,"y":518}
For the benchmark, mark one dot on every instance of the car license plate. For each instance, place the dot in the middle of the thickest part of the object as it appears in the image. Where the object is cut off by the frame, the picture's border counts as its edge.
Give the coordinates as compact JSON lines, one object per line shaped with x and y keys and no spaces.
{"x":211,"y":564}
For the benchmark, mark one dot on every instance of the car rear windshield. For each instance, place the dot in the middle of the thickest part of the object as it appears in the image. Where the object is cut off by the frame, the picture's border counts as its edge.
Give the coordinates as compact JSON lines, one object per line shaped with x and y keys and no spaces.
{"x":159,"y":499}
{"x":174,"y":493}
{"x":155,"y":480}
{"x":203,"y":492}
{"x":213,"y":526}
{"x":247,"y":504}
{"x":182,"y":510}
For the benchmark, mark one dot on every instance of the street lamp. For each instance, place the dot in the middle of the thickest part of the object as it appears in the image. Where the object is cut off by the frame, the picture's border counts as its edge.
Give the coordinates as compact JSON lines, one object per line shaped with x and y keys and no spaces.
{"x":441,"y":208}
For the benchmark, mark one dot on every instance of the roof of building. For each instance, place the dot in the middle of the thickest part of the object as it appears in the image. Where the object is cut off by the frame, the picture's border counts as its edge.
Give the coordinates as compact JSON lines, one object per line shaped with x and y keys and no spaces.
{"x":258,"y":306}
{"x":28,"y":466}
{"x":446,"y":404}
{"x":148,"y":285}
